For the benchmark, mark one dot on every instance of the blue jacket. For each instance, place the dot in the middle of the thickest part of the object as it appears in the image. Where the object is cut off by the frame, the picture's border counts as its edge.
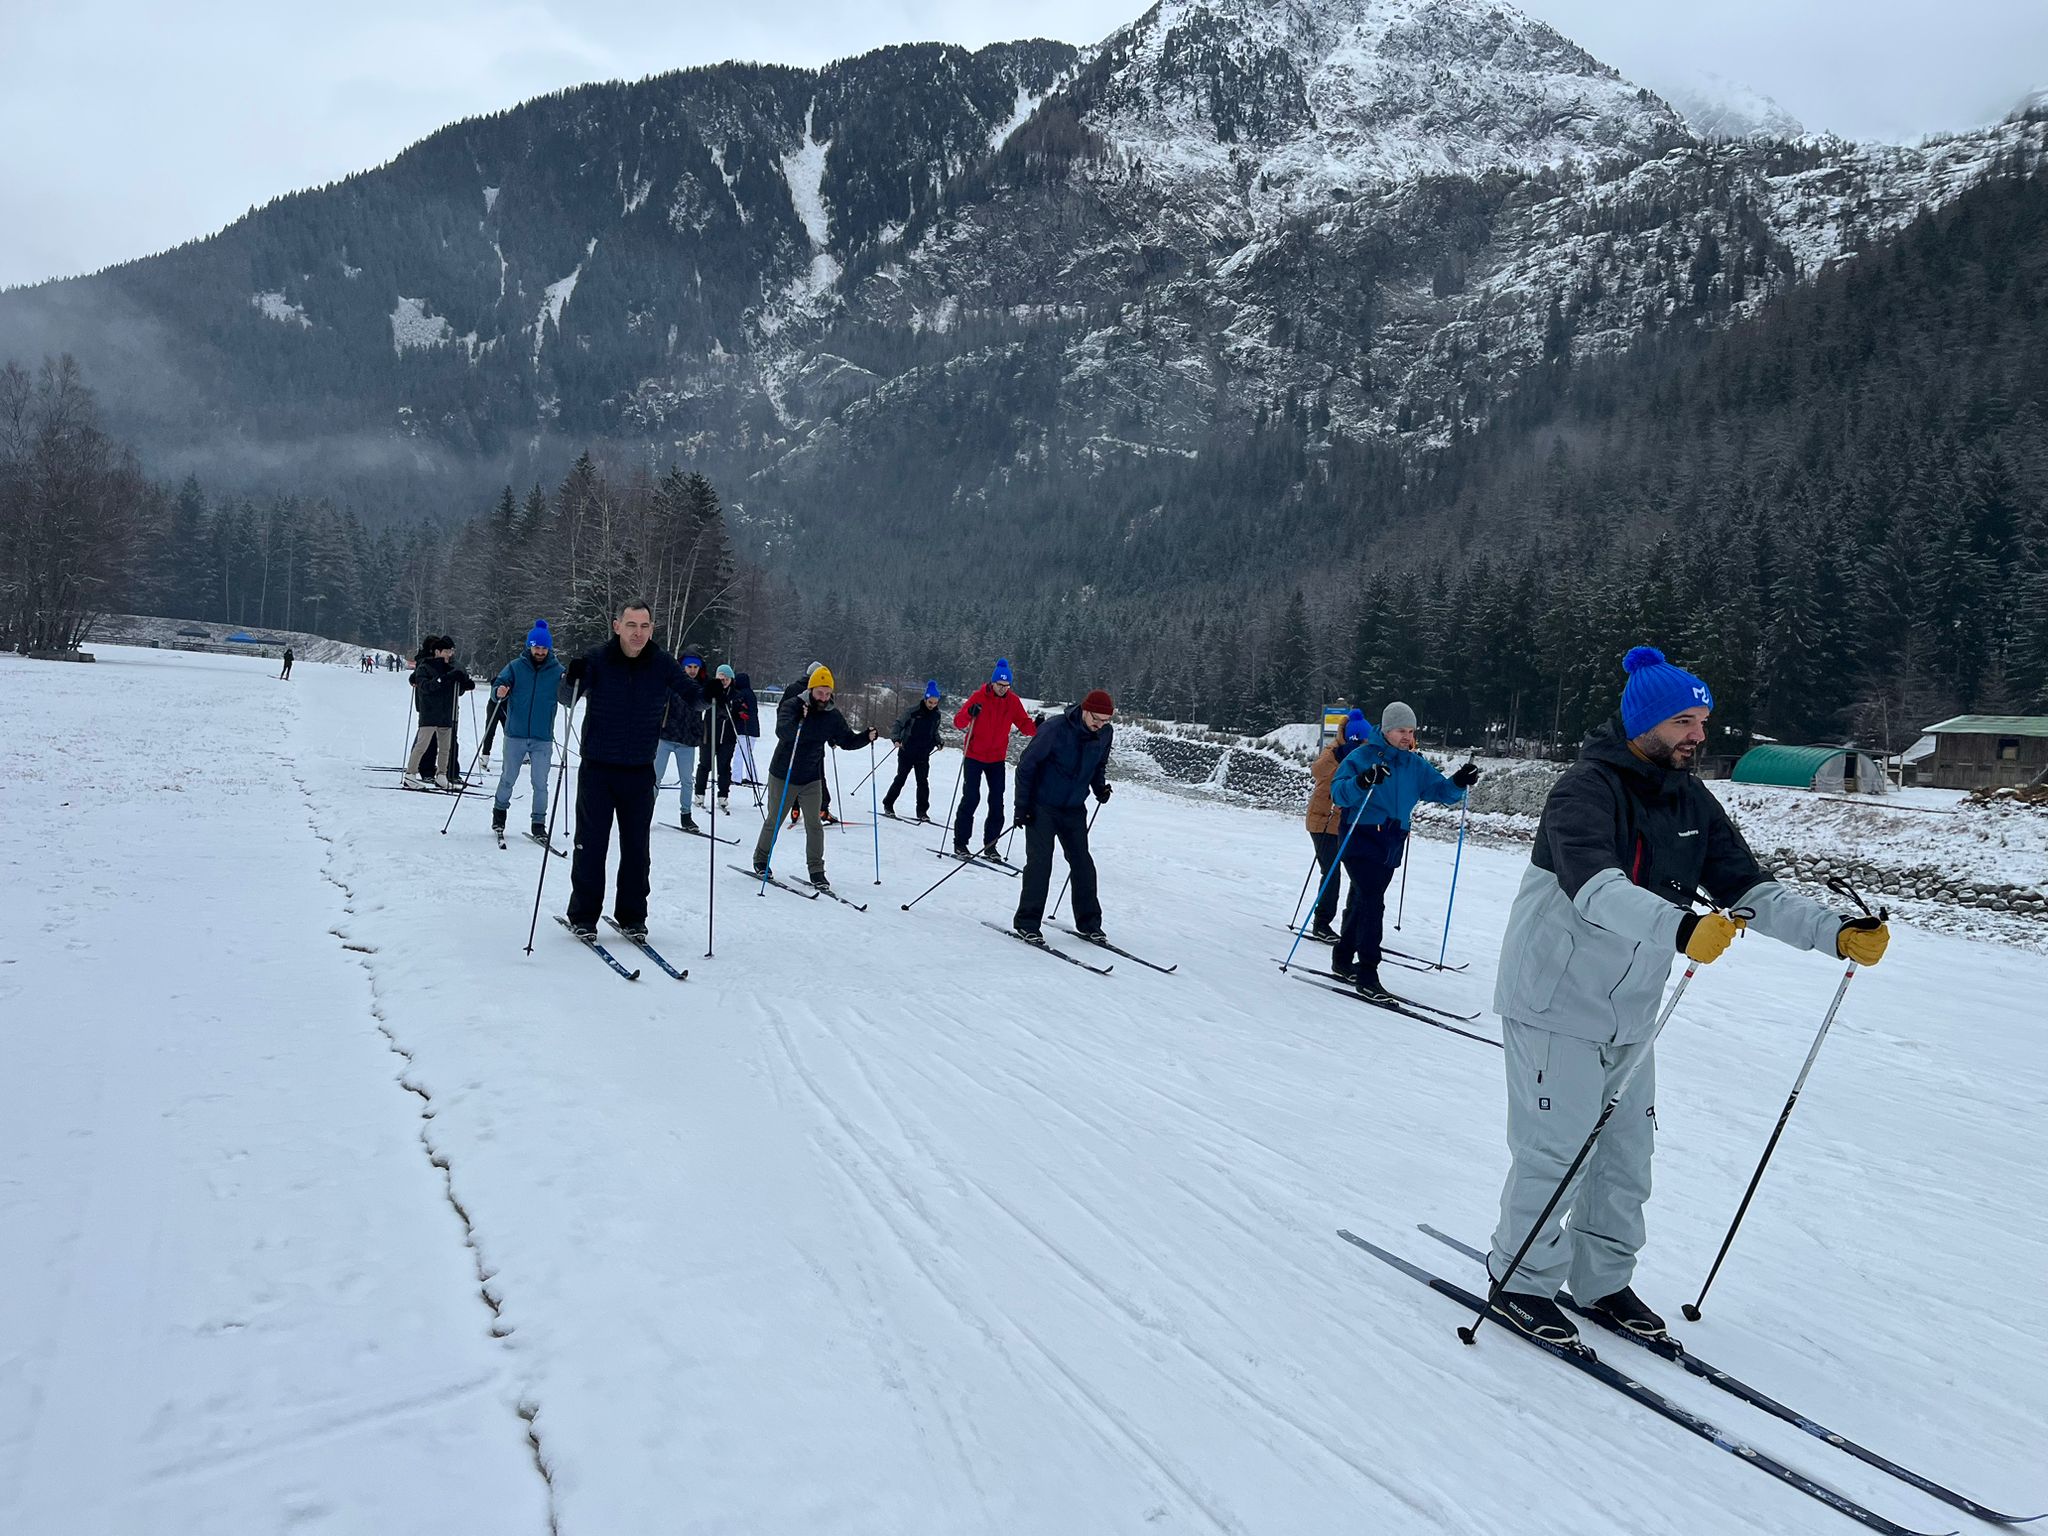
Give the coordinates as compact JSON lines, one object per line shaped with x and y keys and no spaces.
{"x":623,"y":702}
{"x":1411,"y":779}
{"x":528,"y":711}
{"x":1063,"y":763}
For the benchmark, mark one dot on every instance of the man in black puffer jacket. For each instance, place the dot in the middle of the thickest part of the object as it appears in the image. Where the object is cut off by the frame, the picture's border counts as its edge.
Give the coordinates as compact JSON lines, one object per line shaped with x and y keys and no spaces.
{"x":625,"y":684}
{"x":917,"y":737}
{"x":1067,"y":759}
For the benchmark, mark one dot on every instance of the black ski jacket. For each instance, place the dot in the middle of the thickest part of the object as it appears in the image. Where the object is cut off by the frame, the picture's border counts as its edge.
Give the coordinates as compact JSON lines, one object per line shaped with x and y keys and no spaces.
{"x":1063,"y":763}
{"x":624,"y":698}
{"x":746,"y":709}
{"x":683,"y":721}
{"x":436,"y":685}
{"x":917,"y":733}
{"x":805,"y":734}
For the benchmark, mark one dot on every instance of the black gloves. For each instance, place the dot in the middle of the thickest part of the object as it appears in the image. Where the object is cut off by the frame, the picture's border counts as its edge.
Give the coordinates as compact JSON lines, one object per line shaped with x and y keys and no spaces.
{"x":1038,"y":719}
{"x":1376,"y":774}
{"x":1023,"y":817}
{"x":1102,"y":794}
{"x":1466,"y":776}
{"x":973,"y":711}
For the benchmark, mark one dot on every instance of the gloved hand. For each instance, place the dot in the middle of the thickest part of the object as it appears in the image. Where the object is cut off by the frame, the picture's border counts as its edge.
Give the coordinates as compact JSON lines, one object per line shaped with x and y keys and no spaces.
{"x":871,"y":733}
{"x":1102,"y":794}
{"x":1466,"y":776}
{"x":1705,"y":937}
{"x":1039,"y":718}
{"x":1023,"y":818}
{"x":1862,"y":939}
{"x":1376,"y":774}
{"x":974,"y":711}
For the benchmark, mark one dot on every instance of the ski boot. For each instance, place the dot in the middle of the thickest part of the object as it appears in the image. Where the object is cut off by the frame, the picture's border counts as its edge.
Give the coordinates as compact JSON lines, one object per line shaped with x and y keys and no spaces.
{"x":1323,"y":933}
{"x":634,"y":932}
{"x":1626,"y":1311}
{"x":1092,"y":935}
{"x":498,"y":819}
{"x":1537,"y":1316}
{"x":689,"y":824}
{"x":821,"y":885}
{"x":1030,"y":936}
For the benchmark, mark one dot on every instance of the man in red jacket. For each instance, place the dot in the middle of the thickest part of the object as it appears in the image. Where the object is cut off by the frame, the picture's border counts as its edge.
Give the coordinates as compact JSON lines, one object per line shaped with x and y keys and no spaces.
{"x":988,"y":717}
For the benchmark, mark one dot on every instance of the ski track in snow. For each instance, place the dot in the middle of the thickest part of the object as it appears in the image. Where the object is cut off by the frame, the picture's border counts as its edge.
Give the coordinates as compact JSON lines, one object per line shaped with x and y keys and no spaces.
{"x":883,"y":1224}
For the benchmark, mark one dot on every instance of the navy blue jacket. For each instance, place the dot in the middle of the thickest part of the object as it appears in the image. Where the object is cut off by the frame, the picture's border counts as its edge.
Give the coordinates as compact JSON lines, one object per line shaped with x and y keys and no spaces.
{"x":528,"y":711}
{"x":683,"y":722}
{"x":917,"y":733}
{"x":1063,"y":763}
{"x":624,"y":699}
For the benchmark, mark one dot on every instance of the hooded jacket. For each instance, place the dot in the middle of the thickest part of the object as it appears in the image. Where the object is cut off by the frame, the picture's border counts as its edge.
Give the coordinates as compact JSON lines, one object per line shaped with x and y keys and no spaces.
{"x":988,"y":718}
{"x":528,"y":711}
{"x":802,"y":735}
{"x":624,"y":697}
{"x":917,"y":733}
{"x":1622,"y":846}
{"x":1411,"y":779}
{"x":1063,"y":763}
{"x":436,"y":685}
{"x":1323,"y":813}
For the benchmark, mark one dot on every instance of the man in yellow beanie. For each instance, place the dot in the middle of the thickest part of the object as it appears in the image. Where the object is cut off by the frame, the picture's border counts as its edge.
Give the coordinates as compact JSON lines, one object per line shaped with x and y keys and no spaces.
{"x":806,"y":723}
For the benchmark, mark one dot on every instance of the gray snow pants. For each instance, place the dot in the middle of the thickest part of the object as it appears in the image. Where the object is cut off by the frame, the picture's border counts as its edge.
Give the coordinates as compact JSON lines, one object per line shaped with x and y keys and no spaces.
{"x":810,"y":799}
{"x":1557,"y":1086}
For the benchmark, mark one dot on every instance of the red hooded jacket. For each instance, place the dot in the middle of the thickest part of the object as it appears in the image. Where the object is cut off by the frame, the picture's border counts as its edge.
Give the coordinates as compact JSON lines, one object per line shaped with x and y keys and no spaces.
{"x":988,"y":734}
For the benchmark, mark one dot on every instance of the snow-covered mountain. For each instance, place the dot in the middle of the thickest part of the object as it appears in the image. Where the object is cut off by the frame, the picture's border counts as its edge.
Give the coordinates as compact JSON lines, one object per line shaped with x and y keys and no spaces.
{"x":1375,"y":216}
{"x":1715,"y":107}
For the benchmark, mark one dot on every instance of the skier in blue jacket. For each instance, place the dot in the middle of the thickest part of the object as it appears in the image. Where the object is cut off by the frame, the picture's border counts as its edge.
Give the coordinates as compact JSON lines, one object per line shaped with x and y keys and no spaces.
{"x":1377,"y":788}
{"x":526,"y":690}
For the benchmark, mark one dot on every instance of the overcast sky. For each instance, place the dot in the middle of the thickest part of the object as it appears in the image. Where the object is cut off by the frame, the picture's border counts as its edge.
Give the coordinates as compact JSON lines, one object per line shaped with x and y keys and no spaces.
{"x":128,"y":125}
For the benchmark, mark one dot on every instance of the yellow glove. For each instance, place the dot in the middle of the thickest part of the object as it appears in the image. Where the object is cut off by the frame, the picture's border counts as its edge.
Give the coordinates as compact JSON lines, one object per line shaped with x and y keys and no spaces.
{"x":1863,"y":939}
{"x":1706,"y":937}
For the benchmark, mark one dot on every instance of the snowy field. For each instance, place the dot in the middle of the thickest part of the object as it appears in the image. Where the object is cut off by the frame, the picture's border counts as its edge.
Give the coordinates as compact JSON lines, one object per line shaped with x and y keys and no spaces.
{"x":328,"y":1209}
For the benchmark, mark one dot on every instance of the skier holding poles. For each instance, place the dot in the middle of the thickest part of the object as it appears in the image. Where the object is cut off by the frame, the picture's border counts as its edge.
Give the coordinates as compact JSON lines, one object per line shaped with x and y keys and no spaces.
{"x":1067,"y":760}
{"x":724,"y":735}
{"x":1378,"y":786}
{"x":991,"y":712}
{"x":917,"y":737}
{"x":807,"y":722}
{"x":526,"y":689}
{"x":1628,"y":835}
{"x":1325,"y":822}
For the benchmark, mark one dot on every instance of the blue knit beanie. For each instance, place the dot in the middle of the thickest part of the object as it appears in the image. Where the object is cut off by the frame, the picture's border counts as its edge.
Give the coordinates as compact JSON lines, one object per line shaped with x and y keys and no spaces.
{"x":690,"y":657}
{"x":725,"y":671}
{"x":539,"y":635}
{"x":1656,"y":690}
{"x":931,"y":689}
{"x":1354,"y":726}
{"x":1002,"y":671}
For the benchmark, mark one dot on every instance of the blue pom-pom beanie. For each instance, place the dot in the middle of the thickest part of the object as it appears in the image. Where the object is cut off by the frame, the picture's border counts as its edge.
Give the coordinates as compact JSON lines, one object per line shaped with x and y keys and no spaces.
{"x":1354,"y":725}
{"x":1656,"y":690}
{"x":1002,"y":671}
{"x":539,"y":635}
{"x":931,"y":689}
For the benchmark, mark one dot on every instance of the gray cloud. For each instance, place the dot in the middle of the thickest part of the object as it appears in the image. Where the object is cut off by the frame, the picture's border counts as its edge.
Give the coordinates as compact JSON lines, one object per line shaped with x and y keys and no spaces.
{"x":152,"y":125}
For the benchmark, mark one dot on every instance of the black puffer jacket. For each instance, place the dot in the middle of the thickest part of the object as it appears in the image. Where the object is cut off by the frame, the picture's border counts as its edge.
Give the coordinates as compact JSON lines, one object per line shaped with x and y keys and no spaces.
{"x":624,"y":698}
{"x":436,"y":686}
{"x":1063,"y":763}
{"x":917,"y":733}
{"x":803,"y":735}
{"x":683,"y":721}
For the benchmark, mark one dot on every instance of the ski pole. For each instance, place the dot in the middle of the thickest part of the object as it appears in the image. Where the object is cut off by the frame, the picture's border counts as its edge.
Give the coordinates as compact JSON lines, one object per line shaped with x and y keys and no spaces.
{"x":1401,"y":909}
{"x":547,"y":848}
{"x":711,"y":858}
{"x":1070,"y":868}
{"x":1335,"y":865}
{"x":1691,"y":1309}
{"x":775,"y":836}
{"x":1444,"y":948}
{"x":838,"y":794}
{"x":463,"y":788}
{"x":1469,"y":1332}
{"x":1314,"y":863}
{"x":949,"y":874}
{"x":959,"y":778}
{"x":882,"y":764}
{"x":874,"y":814}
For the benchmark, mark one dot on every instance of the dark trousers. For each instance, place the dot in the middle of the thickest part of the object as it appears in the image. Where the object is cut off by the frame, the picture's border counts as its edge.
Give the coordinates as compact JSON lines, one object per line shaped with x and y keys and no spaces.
{"x":604,"y":793}
{"x":996,"y":776}
{"x":906,"y":765}
{"x":1069,"y":825}
{"x":1370,"y":860}
{"x":1327,"y":844}
{"x":725,"y":747}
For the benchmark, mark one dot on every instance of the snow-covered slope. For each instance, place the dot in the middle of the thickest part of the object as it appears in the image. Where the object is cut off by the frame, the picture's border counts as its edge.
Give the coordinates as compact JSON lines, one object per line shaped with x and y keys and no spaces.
{"x":882,"y":1222}
{"x":1715,"y":107}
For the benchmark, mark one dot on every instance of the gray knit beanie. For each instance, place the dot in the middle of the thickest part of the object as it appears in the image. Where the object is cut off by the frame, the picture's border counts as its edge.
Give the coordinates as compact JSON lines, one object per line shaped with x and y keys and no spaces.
{"x":1397,"y":717}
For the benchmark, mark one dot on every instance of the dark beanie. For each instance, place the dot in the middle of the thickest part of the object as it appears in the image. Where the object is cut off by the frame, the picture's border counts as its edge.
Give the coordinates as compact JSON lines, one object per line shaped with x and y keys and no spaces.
{"x":1099,"y":703}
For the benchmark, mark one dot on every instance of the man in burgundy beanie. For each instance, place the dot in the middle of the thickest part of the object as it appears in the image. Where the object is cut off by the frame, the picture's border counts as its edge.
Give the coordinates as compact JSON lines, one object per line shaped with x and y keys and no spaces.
{"x":1067,"y":760}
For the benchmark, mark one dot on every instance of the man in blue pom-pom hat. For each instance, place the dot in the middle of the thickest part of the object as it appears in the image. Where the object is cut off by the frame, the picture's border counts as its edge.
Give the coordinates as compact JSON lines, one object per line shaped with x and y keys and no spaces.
{"x":1628,"y":837}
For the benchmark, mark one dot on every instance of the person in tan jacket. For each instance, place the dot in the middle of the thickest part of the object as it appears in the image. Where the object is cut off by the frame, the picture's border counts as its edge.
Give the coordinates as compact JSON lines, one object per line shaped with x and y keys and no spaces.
{"x":1326,"y":822}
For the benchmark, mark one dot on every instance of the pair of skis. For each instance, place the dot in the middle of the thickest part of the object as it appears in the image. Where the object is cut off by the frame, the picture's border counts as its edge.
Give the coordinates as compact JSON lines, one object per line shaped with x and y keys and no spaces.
{"x":1583,"y":1359}
{"x":560,"y":853}
{"x":730,"y":842}
{"x":590,"y":943}
{"x":806,"y":891}
{"x":1061,"y":954}
{"x":999,"y":865}
{"x":1391,"y":1002}
{"x":1400,"y":957}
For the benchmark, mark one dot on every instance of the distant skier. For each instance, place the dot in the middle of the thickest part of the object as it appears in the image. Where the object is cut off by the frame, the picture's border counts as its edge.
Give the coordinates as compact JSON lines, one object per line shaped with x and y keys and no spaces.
{"x":746,"y":721}
{"x":682,"y":733}
{"x":437,"y":685}
{"x":988,"y":716}
{"x":719,"y":723}
{"x":624,"y":686}
{"x":287,"y":672}
{"x":1066,"y":761}
{"x":806,"y":723}
{"x":917,"y":737}
{"x":1627,"y":836}
{"x":1326,"y":821}
{"x":527,"y":688}
{"x":1378,"y":786}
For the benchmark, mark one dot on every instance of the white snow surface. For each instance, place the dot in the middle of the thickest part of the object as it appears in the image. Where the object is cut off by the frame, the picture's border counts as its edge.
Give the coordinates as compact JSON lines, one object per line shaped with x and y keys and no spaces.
{"x":881,"y":1222}
{"x":1715,"y":107}
{"x":277,"y":307}
{"x":804,"y":170}
{"x":413,"y":328}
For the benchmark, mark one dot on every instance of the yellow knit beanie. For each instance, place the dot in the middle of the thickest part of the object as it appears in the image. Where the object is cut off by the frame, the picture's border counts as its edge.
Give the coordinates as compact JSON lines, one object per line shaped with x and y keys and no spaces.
{"x":821,"y":677}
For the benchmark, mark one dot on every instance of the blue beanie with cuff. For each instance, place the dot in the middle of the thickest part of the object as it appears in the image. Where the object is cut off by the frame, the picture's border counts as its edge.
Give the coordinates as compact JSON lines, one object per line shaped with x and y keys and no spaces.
{"x":1656,"y":690}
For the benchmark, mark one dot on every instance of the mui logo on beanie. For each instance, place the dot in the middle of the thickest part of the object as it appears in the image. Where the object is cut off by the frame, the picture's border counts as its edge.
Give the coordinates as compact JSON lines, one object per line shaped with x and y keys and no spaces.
{"x":1002,"y":671}
{"x":1656,"y":690}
